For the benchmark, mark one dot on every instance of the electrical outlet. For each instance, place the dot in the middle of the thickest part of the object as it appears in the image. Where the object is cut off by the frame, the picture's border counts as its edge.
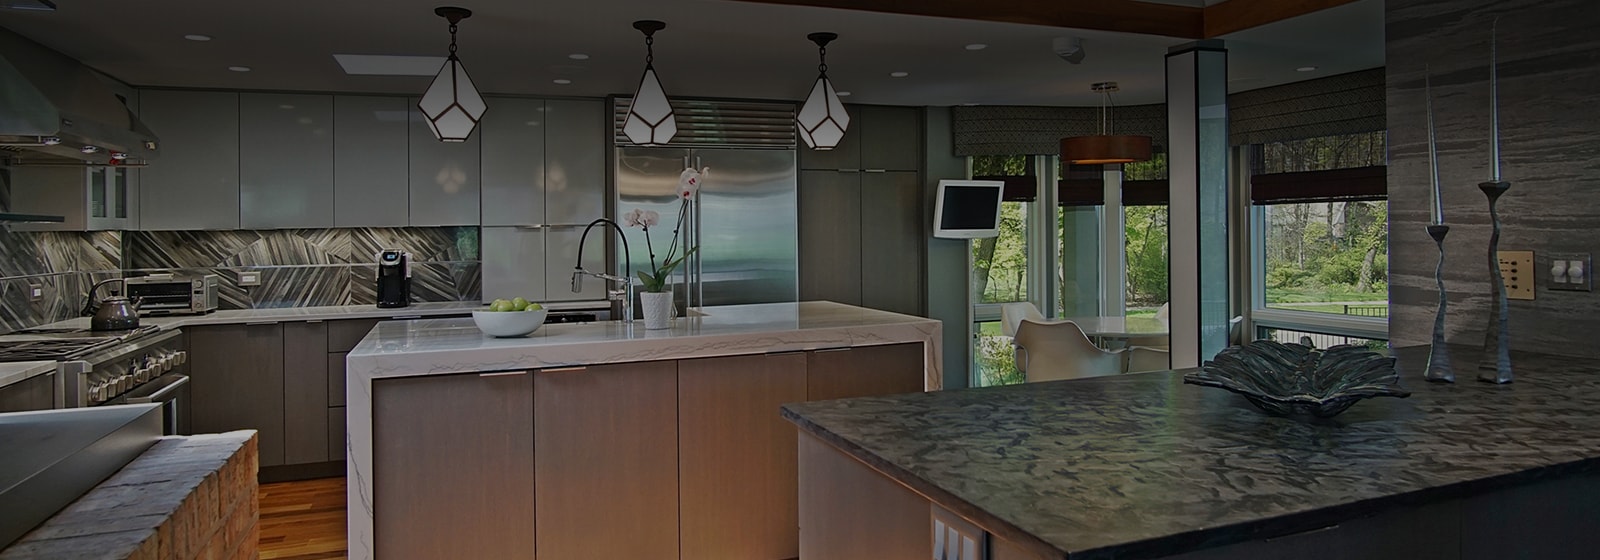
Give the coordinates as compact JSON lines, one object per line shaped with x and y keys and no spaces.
{"x":1570,"y":272}
{"x":35,"y":293}
{"x":1516,"y":270}
{"x":250,"y":278}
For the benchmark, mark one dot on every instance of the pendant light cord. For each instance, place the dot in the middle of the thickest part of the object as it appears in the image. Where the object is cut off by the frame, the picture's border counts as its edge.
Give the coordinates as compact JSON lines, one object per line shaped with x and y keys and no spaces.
{"x":822,"y":58}
{"x":649,"y":51}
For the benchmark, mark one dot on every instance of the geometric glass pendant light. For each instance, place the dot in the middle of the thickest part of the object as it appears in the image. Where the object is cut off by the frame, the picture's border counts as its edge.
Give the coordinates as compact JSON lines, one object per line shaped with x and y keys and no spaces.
{"x":452,"y":104}
{"x":651,"y":121}
{"x":822,"y":119}
{"x":1105,"y":147}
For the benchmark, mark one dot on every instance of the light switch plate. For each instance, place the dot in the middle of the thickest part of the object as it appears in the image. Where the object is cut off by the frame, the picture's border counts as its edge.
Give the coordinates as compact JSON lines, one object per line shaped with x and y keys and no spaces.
{"x":35,"y":292}
{"x":1516,"y":270}
{"x":1584,"y":284}
{"x":249,"y":278}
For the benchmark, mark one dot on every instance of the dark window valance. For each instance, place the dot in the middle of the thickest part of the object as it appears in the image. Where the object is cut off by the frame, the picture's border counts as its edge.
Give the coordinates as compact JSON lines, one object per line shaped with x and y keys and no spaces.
{"x":1091,"y":192}
{"x":1019,"y":188}
{"x":1337,"y":185}
{"x":1343,"y":104}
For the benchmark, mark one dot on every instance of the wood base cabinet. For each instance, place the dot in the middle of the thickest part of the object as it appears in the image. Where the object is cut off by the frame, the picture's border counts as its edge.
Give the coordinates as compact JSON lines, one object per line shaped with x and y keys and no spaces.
{"x":455,"y":467}
{"x":607,"y":461}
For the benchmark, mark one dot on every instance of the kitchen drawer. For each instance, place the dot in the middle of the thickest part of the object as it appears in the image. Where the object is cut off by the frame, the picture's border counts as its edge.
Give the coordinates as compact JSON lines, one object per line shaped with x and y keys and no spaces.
{"x":336,"y":434}
{"x":344,"y":335}
{"x":336,"y":378}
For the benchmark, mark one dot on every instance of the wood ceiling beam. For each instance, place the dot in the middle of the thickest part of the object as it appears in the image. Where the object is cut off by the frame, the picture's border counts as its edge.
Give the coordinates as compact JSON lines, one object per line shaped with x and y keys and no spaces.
{"x":1125,"y":16}
{"x":1238,"y":15}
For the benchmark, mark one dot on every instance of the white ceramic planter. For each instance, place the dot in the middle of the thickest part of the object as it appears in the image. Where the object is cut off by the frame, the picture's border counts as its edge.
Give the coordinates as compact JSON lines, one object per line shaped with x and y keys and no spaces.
{"x":658,"y":311}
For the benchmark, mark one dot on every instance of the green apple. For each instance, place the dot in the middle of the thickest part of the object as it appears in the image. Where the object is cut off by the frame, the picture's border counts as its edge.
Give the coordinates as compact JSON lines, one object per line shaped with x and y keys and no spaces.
{"x":534,"y":307}
{"x":500,"y":305}
{"x":519,"y":304}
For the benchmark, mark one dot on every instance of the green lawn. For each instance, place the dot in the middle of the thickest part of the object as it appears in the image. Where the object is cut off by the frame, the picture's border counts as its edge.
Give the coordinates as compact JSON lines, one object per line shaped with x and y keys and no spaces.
{"x":1316,"y":295}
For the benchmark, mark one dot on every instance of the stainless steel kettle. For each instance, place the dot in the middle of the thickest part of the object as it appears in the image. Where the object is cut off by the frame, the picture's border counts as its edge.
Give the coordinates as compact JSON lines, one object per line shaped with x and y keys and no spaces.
{"x":114,"y":313}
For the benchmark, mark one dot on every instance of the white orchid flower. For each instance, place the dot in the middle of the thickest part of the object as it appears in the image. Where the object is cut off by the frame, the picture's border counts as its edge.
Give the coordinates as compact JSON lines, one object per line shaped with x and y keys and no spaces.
{"x":649,"y":218}
{"x":689,"y":181}
{"x":632,"y":217}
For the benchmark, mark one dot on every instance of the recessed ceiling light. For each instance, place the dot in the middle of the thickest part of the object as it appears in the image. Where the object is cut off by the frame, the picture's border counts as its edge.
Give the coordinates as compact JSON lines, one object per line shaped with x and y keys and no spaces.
{"x":1305,"y":68}
{"x":286,"y":106}
{"x":899,"y":74}
{"x":578,"y":56}
{"x":197,"y":37}
{"x":562,"y":81}
{"x":842,"y":93}
{"x":977,"y":47}
{"x":969,"y":104}
{"x":239,"y":68}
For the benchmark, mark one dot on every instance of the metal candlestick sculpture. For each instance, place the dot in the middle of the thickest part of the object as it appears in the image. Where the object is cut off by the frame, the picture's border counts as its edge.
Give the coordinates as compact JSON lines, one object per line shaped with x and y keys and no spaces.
{"x":1497,"y":341}
{"x":1438,"y":353}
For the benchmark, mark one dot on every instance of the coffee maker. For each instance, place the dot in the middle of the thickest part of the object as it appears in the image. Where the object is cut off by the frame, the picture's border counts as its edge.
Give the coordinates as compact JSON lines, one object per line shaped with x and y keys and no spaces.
{"x":394,"y":278}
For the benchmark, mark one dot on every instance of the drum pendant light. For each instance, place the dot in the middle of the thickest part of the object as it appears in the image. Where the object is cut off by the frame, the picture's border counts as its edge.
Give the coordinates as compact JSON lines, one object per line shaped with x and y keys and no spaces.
{"x":822,"y":119}
{"x":651,"y":121}
{"x":1107,"y":146}
{"x":452,"y":104}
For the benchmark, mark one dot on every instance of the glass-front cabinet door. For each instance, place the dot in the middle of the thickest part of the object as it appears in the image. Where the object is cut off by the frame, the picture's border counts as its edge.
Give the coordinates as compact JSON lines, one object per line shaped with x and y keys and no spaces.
{"x":108,"y":197}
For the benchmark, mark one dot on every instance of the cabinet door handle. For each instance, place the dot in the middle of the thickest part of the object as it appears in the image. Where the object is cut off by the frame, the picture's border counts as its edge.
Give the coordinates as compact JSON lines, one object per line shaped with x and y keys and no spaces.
{"x":564,"y":369}
{"x":839,"y":349}
{"x":877,"y":170}
{"x":848,"y":170}
{"x":504,"y":373}
{"x":404,"y":317}
{"x":261,"y":324}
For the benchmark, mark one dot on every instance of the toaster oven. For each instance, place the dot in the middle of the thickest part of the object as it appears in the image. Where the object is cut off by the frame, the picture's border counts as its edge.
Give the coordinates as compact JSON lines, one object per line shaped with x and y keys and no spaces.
{"x":168,"y":294}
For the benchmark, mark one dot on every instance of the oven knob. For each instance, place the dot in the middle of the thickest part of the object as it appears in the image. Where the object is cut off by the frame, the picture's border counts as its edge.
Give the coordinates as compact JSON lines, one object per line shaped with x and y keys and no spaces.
{"x":141,"y":375}
{"x":124,"y":382}
{"x":180,"y":357}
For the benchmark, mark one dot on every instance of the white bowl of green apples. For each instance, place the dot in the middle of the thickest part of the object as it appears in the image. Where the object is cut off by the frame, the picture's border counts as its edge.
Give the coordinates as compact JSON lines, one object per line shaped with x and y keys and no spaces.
{"x":510,"y":318}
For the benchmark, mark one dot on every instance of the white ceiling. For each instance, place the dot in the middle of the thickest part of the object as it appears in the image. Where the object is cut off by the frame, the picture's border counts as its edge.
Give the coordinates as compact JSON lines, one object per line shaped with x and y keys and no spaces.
{"x":711,"y":48}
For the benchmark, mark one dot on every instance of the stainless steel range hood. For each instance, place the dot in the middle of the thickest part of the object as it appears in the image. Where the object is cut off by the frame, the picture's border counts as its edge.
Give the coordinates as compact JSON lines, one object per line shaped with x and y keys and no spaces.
{"x":54,"y":107}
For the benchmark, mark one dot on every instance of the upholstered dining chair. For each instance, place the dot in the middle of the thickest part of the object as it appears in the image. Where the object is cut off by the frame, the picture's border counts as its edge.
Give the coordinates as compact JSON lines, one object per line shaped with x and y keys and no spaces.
{"x":1060,"y":350}
{"x":1144,"y":358}
{"x":1012,"y":314}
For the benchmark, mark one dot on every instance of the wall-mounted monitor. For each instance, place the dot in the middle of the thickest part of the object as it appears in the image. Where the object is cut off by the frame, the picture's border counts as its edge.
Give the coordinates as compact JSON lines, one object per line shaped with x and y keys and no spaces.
{"x":967,"y":209}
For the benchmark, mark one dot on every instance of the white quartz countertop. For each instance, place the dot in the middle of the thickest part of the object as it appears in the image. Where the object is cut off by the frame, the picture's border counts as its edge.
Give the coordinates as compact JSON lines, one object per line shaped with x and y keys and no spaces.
{"x":428,"y":346}
{"x":14,"y":372}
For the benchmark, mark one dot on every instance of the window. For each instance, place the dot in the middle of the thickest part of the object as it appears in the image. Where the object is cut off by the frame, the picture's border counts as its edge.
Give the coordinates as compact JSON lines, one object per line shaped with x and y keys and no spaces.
{"x":995,"y":357}
{"x":1325,"y":242}
{"x":1145,"y":223}
{"x":1000,"y":264}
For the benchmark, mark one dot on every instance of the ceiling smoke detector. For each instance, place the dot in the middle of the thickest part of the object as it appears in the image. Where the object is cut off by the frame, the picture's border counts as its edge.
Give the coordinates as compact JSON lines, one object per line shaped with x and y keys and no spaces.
{"x":1069,"y":49}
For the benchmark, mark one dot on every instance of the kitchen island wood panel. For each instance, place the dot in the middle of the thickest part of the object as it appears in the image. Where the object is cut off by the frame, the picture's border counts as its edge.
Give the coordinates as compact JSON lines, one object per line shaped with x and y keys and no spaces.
{"x":737,"y":481}
{"x":606,"y":461}
{"x":459,"y":471}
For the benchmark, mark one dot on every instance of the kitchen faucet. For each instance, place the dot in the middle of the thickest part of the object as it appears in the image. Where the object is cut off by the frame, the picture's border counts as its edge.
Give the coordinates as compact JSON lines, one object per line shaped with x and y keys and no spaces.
{"x":625,"y":295}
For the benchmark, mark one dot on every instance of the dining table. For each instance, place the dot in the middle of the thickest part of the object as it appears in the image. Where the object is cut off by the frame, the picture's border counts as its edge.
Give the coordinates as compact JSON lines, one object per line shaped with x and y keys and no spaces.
{"x":1118,"y":326}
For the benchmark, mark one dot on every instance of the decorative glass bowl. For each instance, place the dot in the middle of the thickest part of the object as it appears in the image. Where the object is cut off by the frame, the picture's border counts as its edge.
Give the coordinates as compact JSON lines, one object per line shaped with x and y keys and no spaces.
{"x":1296,"y":379}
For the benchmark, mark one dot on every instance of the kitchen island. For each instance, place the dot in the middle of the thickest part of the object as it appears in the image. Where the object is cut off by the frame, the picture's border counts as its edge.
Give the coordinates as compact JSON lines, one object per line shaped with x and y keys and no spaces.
{"x":605,"y":440}
{"x":1143,"y":466}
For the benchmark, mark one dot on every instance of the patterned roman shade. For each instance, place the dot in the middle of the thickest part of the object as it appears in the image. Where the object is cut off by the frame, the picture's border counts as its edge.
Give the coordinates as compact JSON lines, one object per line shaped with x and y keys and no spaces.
{"x":1343,"y":104}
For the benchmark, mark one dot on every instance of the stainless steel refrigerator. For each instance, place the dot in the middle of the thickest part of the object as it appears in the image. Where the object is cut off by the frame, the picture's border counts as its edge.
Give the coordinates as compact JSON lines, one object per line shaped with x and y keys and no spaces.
{"x":745,"y":227}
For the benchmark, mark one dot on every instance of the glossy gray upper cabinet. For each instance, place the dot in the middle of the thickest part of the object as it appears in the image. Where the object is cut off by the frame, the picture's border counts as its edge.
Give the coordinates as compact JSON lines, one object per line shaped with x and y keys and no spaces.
{"x":370,"y":186}
{"x":891,"y":137}
{"x":561,"y":247}
{"x":845,"y":156}
{"x":577,"y":137}
{"x":195,"y":182}
{"x":514,"y":264}
{"x":285,"y":161}
{"x":513,"y":163}
{"x":444,"y":175}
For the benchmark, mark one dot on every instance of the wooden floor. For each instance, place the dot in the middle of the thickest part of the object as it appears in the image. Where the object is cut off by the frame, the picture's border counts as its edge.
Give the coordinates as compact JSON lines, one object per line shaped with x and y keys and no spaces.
{"x":303,"y":520}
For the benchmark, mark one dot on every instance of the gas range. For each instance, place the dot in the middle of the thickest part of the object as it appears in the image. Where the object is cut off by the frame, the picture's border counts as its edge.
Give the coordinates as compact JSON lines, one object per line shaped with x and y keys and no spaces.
{"x":100,"y":367}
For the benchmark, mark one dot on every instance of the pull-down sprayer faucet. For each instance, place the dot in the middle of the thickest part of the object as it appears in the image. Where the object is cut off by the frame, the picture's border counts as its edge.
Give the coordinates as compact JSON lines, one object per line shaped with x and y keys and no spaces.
{"x":626,"y":293}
